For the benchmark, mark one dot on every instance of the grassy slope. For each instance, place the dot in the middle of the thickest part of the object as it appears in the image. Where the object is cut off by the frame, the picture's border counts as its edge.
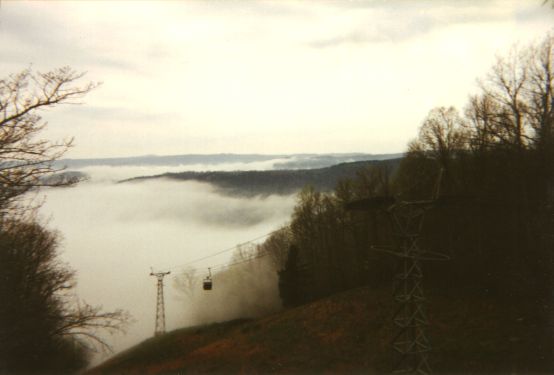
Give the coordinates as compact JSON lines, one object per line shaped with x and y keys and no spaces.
{"x":346,"y":333}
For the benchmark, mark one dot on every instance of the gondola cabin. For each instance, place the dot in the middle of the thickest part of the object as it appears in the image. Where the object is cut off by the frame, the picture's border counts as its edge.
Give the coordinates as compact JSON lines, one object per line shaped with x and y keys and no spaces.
{"x":207,"y":284}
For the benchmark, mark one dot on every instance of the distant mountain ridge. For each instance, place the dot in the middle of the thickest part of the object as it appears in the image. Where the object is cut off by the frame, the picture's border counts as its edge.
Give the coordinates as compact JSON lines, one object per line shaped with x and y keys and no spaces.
{"x":282,"y":161}
{"x":280,"y":182}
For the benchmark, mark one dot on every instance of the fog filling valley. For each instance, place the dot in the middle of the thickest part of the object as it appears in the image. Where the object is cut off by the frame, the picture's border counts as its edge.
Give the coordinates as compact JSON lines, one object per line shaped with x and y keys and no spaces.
{"x":104,"y":173}
{"x":112,"y":233}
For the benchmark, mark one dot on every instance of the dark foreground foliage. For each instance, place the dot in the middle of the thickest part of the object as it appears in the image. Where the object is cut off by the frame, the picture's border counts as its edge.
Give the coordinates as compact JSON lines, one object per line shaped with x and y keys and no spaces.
{"x":345,"y":333}
{"x":497,"y":161}
{"x":491,"y":172}
{"x":44,"y":328}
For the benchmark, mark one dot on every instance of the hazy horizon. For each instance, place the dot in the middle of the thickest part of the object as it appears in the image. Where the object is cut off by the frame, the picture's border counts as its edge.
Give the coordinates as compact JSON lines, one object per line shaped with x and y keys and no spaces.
{"x":261,"y":76}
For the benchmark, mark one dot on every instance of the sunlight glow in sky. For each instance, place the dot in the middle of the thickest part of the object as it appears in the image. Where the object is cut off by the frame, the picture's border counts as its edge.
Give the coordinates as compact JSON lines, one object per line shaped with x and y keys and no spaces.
{"x":261,"y":76}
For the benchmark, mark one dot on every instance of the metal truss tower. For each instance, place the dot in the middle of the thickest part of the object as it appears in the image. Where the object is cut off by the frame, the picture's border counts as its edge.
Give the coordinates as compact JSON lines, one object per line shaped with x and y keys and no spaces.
{"x":410,"y":344}
{"x":160,"y":308}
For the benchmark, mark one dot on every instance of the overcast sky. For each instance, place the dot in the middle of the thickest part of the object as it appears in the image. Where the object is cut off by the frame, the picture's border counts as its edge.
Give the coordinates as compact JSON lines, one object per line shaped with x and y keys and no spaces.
{"x":261,"y":76}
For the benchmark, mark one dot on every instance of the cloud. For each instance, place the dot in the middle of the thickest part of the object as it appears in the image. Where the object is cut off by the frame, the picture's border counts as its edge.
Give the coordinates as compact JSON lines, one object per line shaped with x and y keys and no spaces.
{"x":101,"y":114}
{"x":401,"y":21}
{"x":200,"y":204}
{"x":110,"y":173}
{"x":243,"y":76}
{"x":354,"y":37}
{"x":114,"y":233}
{"x":246,"y":290}
{"x":272,"y":9}
{"x":37,"y":34}
{"x":541,"y":13}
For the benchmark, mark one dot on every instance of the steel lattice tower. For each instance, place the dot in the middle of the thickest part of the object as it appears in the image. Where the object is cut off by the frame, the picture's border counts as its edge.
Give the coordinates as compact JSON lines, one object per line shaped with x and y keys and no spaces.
{"x":410,"y":344}
{"x":160,"y":308}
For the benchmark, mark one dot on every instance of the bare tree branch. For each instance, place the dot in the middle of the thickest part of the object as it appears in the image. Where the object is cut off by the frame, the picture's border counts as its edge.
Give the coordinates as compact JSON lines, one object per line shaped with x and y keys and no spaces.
{"x":25,"y":161}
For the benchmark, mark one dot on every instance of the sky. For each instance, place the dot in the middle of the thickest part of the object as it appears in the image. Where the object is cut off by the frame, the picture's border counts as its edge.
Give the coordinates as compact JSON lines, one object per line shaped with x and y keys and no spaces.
{"x":261,"y":76}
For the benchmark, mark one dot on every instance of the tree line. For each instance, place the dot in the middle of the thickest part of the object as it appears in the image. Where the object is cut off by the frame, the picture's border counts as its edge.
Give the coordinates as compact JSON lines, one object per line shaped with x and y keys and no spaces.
{"x":494,"y":161}
{"x":490,"y":170}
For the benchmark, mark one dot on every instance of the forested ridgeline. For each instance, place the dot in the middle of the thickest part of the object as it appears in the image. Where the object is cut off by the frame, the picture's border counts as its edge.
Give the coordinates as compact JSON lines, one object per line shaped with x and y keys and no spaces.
{"x":280,"y":181}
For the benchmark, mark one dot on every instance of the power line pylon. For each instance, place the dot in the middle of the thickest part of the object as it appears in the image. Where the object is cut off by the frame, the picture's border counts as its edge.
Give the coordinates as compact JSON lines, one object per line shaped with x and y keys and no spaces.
{"x":410,"y":344}
{"x":160,"y":308}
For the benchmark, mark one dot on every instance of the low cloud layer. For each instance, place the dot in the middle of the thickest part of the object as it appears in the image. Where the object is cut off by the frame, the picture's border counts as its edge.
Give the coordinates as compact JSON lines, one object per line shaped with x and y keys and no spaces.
{"x":103,"y":173}
{"x":246,"y":290}
{"x":114,"y":233}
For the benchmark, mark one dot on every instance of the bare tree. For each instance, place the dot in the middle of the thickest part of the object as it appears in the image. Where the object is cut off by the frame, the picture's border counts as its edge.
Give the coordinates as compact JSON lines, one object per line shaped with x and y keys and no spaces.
{"x":441,"y":136}
{"x":505,"y":86}
{"x":244,"y":252}
{"x":84,"y":321}
{"x":482,"y":114}
{"x":25,"y":160}
{"x":39,"y":310}
{"x":375,"y":180}
{"x":187,"y":282}
{"x":515,"y":108}
{"x":540,"y":91}
{"x":276,"y":247}
{"x":43,"y":325}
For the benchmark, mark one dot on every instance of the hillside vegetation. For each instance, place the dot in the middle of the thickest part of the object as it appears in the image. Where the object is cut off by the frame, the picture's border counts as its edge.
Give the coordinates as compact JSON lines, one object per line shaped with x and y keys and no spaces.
{"x":346,"y":333}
